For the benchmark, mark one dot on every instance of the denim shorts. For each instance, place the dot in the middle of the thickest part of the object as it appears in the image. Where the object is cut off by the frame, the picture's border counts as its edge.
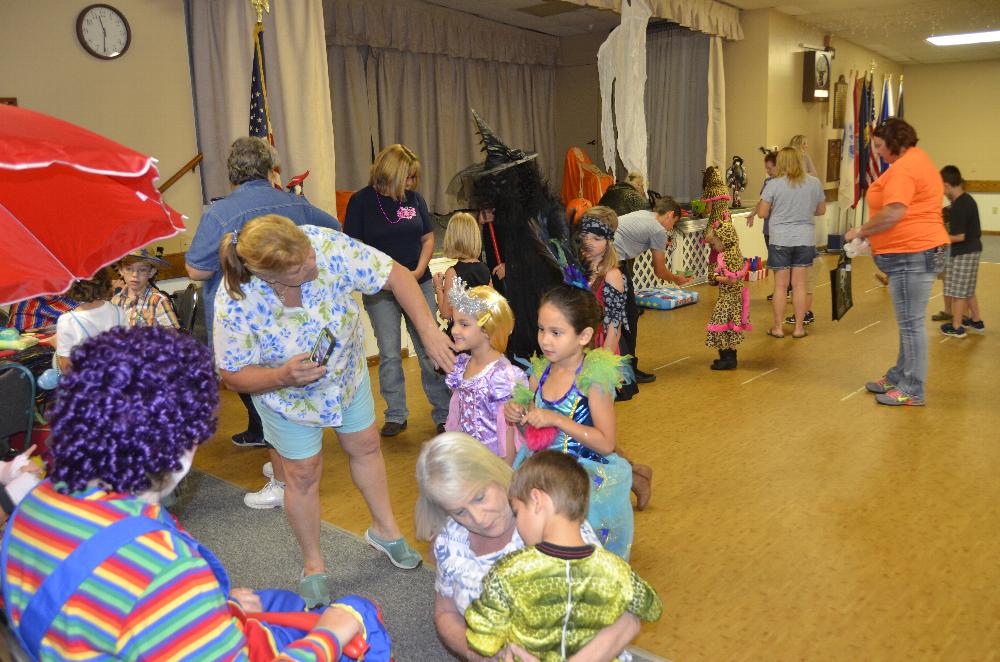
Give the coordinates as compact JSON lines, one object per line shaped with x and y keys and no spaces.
{"x":932,"y":260}
{"x":295,"y":441}
{"x":786,"y":257}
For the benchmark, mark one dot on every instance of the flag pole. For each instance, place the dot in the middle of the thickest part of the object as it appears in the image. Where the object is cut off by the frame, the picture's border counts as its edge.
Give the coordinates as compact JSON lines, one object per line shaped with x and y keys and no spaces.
{"x":259,"y":76}
{"x":261,"y":6}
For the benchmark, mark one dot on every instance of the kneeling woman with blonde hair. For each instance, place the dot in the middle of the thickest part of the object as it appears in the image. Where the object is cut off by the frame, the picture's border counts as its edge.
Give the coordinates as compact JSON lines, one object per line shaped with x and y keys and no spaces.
{"x":463,"y":509}
{"x":286,"y":288}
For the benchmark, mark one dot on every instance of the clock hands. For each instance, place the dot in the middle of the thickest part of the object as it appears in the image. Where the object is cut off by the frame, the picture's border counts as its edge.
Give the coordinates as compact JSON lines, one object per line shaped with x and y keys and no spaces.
{"x":105,"y":33}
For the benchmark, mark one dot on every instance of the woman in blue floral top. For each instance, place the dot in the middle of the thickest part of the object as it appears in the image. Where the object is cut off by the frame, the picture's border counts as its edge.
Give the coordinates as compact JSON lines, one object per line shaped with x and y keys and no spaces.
{"x":283,"y":285}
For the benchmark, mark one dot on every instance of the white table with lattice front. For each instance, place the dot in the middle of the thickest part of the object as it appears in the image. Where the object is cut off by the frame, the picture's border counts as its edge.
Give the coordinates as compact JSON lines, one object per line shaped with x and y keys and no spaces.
{"x":689,"y":252}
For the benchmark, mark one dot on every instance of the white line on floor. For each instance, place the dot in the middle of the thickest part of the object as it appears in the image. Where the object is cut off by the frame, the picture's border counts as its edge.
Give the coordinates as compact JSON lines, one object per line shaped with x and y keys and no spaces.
{"x":850,"y":395}
{"x":945,"y":339}
{"x":671,"y":363}
{"x":867,"y":327}
{"x":877,"y":287}
{"x":936,"y":295}
{"x":763,"y":374}
{"x":823,"y":284}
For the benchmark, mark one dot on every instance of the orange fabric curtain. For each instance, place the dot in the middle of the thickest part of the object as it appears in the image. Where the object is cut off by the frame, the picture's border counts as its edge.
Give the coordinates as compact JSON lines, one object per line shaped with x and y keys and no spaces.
{"x":582,"y":179}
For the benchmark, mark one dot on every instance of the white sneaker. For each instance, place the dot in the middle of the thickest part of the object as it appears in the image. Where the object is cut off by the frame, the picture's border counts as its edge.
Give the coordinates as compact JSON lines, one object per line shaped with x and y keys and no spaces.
{"x":268,"y":470}
{"x":271,"y":495}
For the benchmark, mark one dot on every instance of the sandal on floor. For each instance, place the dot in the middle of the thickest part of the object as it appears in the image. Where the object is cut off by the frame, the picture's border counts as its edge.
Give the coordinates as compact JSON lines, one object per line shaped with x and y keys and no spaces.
{"x":771,"y":333}
{"x":400,"y":554}
{"x":314,"y":589}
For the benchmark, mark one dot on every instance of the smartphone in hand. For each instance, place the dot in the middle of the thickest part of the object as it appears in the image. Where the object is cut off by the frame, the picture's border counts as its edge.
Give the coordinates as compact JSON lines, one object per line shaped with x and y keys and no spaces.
{"x":323,"y":348}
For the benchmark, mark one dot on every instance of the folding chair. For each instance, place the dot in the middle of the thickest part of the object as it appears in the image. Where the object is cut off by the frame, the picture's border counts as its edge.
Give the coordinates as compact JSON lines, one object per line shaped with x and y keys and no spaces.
{"x":17,"y":403}
{"x":186,"y":306}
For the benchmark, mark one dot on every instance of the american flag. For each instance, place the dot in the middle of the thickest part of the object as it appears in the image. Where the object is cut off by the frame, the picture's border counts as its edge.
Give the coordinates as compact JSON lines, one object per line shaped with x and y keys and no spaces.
{"x":871,"y":163}
{"x":260,"y":120}
{"x":876,"y":166}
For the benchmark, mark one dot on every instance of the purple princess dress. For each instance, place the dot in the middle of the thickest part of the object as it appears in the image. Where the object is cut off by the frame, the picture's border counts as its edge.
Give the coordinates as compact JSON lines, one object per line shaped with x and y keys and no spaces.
{"x":476,"y":406}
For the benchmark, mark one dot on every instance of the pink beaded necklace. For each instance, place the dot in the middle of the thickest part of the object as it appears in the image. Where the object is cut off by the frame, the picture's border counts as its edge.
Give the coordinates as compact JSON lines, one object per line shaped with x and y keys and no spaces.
{"x":402,"y":214}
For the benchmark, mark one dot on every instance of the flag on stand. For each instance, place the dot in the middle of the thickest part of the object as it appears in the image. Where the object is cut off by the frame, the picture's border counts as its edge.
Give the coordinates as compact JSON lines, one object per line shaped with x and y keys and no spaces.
{"x":845,"y":192}
{"x":872,"y":168}
{"x":856,"y":141}
{"x":876,"y":166}
{"x":865,"y":113}
{"x":260,"y":119}
{"x":899,"y":102}
{"x":887,"y":111}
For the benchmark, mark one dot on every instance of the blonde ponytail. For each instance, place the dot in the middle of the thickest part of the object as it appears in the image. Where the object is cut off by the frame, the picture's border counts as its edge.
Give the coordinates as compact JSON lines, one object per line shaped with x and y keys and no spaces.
{"x":234,"y":272}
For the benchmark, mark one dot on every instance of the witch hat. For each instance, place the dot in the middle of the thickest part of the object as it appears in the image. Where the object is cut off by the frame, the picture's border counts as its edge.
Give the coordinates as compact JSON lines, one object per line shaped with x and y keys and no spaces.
{"x":499,"y":157}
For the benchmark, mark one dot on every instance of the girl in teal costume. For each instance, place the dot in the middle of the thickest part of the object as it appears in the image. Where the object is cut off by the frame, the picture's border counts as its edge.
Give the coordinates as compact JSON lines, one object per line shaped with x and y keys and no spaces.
{"x":571,"y":409}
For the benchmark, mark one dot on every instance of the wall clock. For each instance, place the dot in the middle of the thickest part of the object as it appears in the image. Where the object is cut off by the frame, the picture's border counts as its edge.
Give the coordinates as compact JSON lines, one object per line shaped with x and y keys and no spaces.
{"x":103,"y":31}
{"x":816,"y":76}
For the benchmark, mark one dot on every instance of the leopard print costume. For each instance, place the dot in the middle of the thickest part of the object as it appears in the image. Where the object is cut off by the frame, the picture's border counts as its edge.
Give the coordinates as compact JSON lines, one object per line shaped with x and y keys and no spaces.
{"x":731,"y":315}
{"x":715,"y":193}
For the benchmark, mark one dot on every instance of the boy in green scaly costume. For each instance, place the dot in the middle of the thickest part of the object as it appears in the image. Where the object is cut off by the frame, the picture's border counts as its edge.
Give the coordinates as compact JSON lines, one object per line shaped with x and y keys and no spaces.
{"x":552,"y":597}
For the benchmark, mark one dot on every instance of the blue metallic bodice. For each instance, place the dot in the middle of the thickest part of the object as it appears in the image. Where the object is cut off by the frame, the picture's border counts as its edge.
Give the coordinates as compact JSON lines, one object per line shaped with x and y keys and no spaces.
{"x":576,"y":406}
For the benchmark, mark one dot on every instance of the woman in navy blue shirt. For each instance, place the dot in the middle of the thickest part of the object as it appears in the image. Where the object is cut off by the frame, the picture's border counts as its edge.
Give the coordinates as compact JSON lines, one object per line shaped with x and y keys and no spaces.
{"x":391,"y":216}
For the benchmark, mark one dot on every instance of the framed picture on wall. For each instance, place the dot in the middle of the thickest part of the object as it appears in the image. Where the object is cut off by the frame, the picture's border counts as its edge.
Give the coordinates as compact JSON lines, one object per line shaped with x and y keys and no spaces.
{"x":839,"y":102}
{"x":833,"y":148}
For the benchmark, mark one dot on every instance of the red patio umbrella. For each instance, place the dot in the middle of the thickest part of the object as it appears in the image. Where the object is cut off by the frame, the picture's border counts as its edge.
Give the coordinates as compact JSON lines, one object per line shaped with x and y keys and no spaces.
{"x":71,"y":202}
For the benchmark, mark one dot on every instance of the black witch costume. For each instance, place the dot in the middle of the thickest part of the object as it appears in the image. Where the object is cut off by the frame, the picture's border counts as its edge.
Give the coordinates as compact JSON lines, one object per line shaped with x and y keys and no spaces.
{"x":526,"y":215}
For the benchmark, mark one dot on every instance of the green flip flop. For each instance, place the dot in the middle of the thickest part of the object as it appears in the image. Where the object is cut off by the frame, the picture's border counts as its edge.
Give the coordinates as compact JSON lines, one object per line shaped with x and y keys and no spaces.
{"x":315,"y":590}
{"x":400,"y":554}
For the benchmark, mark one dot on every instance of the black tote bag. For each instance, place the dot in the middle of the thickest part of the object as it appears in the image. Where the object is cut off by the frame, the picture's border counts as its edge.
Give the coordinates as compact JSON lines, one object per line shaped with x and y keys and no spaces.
{"x":840,"y":284}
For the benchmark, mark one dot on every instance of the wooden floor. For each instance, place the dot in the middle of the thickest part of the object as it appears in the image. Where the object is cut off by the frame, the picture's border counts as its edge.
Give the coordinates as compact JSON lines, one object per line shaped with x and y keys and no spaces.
{"x":792,"y":517}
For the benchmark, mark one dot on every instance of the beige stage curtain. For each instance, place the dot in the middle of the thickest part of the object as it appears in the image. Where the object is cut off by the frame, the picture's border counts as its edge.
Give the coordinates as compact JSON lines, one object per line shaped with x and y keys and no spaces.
{"x":677,"y":103}
{"x":407,"y":72}
{"x":417,"y":27}
{"x":298,"y":87}
{"x":715,"y":152}
{"x":706,"y":16}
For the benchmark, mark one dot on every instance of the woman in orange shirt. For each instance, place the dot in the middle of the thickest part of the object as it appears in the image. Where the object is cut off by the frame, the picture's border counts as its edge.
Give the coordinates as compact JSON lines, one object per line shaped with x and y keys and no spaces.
{"x":910,"y":245}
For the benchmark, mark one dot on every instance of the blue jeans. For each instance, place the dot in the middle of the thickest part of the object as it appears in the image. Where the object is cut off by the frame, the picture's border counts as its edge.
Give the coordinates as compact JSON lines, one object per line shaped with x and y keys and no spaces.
{"x":385,"y":314}
{"x":911,"y":276}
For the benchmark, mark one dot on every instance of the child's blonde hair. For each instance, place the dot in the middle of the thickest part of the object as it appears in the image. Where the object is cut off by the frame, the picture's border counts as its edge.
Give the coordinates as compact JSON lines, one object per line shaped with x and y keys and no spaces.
{"x":462,"y":238}
{"x":488,"y":307}
{"x":608,"y":217}
{"x":789,"y":165}
{"x":499,"y":320}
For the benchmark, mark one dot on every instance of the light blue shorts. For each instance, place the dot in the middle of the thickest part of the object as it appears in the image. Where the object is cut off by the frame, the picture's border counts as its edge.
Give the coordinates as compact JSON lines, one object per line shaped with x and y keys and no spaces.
{"x":295,"y":441}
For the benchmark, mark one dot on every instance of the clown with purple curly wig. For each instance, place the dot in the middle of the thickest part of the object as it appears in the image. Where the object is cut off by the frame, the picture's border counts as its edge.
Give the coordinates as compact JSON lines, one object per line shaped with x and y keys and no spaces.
{"x":94,"y":565}
{"x":133,"y":422}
